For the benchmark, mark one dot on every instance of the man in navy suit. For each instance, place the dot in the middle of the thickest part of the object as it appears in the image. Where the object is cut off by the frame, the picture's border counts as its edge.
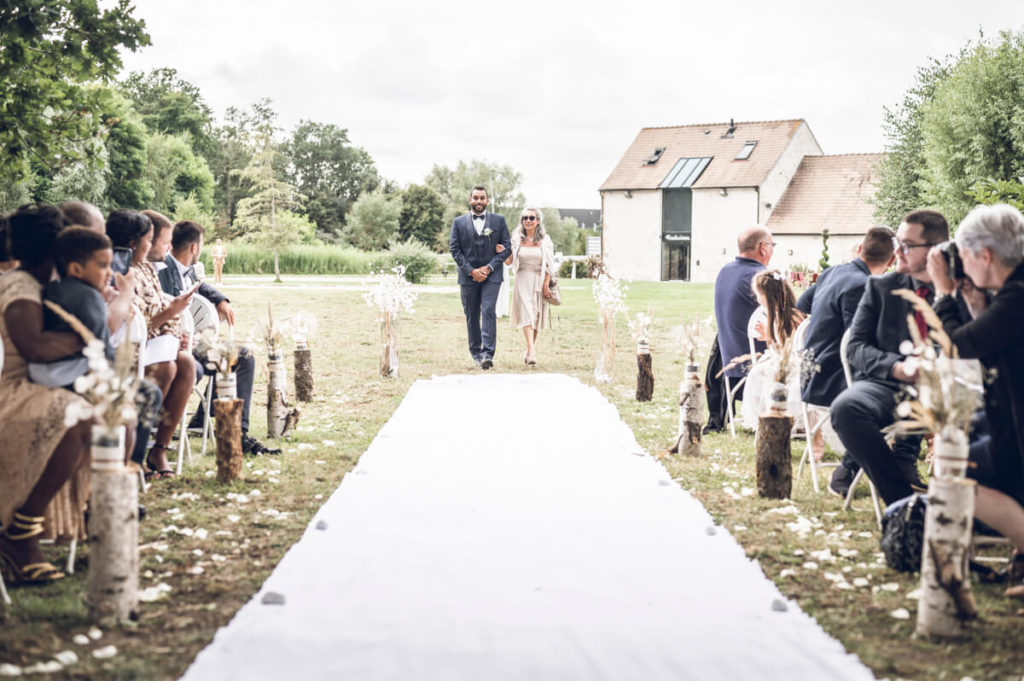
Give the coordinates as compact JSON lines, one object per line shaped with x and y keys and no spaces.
{"x":734,"y":303}
{"x":186,"y":241}
{"x":473,"y":243}
{"x":880,"y":370}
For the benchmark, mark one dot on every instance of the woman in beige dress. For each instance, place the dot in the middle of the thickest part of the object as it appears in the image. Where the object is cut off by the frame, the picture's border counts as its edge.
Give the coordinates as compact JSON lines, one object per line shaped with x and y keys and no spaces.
{"x":533,"y":266}
{"x":43,"y":482}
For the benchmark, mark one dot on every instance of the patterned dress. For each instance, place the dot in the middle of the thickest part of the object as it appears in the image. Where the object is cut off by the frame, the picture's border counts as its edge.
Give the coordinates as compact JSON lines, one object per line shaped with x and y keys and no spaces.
{"x":149,"y":298}
{"x":31,"y":427}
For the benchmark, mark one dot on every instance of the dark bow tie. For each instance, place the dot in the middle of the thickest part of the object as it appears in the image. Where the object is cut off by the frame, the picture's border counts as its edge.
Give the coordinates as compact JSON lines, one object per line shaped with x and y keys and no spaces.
{"x":479,"y":217}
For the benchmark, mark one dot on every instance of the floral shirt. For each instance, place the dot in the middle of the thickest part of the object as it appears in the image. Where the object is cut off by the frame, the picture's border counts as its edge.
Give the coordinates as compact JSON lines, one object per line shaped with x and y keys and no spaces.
{"x":149,"y":297}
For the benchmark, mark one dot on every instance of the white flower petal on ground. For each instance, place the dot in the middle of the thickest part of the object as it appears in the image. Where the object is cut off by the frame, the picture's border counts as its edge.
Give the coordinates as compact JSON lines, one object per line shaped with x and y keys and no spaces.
{"x":51,"y":667}
{"x":81,"y":640}
{"x":810,"y":565}
{"x":788,"y":572}
{"x":201,"y":534}
{"x":7,"y":669}
{"x":234,"y":518}
{"x":195,"y":570}
{"x":860,"y":582}
{"x":105,"y":653}
{"x":890,"y":586}
{"x":95,"y":634}
{"x":914,"y":595}
{"x":900,"y":614}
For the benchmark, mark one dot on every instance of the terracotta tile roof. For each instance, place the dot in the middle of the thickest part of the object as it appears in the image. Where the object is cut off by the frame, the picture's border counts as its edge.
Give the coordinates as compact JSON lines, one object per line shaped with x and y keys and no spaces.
{"x":828,"y":191}
{"x":705,"y":140}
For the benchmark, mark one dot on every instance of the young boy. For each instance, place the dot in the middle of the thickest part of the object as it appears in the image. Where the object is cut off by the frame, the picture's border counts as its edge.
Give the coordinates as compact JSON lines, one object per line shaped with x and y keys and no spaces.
{"x":83,"y":258}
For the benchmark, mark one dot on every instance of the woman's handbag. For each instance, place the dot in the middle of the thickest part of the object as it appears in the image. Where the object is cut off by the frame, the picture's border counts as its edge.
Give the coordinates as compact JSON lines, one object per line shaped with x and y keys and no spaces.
{"x":556,"y":292}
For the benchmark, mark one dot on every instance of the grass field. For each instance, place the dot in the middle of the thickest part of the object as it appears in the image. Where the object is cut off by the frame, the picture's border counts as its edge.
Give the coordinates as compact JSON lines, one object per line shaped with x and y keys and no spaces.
{"x":212,"y":545}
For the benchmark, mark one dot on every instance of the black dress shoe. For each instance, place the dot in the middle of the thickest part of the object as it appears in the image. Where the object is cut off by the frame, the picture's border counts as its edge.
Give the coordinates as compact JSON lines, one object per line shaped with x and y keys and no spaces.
{"x":842,"y":478}
{"x":254,"y":447}
{"x":486,"y":364}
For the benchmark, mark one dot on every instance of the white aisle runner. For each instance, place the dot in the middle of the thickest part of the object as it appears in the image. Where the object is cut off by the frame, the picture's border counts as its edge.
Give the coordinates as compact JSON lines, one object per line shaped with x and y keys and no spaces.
{"x":508,"y":527}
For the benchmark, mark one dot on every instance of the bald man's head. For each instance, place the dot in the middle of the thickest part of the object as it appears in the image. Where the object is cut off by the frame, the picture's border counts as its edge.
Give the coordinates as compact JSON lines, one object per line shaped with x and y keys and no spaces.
{"x":83,"y":214}
{"x":756,"y":243}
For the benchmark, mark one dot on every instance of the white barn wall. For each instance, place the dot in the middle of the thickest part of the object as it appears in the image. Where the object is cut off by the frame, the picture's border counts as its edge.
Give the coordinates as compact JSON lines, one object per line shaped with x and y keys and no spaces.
{"x":806,"y":249}
{"x":631,"y":234}
{"x":717,"y":220}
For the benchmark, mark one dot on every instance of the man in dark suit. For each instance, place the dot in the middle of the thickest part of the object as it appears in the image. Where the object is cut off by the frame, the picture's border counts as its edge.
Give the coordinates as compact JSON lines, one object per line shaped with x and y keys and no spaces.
{"x":473,"y":242}
{"x":734,"y":303}
{"x":879,"y":368}
{"x":178,"y":275}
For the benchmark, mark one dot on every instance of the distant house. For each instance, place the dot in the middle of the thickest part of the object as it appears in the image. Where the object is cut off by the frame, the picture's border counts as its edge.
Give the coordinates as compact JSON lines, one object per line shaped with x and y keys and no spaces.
{"x":586,"y":218}
{"x":674,"y":204}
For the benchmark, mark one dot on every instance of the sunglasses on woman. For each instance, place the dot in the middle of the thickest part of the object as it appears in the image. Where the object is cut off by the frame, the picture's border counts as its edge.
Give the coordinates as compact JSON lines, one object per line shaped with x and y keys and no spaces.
{"x":529,"y":218}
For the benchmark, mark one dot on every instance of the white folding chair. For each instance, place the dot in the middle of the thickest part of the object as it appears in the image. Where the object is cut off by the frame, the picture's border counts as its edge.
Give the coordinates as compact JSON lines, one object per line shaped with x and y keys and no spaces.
{"x":205,"y":316}
{"x":760,"y":315}
{"x":184,"y":446}
{"x":799,"y":344}
{"x":848,"y":374}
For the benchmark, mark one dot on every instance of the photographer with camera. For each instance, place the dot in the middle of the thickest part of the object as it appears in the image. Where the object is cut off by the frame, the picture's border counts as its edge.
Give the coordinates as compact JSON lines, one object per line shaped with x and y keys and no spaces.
{"x":988,"y":255}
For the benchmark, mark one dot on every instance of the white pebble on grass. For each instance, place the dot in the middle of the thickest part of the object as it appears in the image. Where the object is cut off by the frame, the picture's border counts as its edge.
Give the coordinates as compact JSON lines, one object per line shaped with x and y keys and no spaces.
{"x":105,"y":653}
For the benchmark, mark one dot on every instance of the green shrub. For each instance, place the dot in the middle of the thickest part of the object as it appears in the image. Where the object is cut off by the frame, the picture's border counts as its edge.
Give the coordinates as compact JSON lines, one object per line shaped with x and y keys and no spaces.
{"x":418,"y":260}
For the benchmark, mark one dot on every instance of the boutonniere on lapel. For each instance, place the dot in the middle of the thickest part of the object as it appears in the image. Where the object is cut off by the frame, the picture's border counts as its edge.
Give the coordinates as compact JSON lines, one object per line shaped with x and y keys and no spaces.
{"x":487,"y":231}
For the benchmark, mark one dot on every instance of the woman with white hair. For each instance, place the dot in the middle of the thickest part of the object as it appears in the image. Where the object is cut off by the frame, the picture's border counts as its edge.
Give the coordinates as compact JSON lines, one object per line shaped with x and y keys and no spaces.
{"x":533,"y":265}
{"x":990,"y":242}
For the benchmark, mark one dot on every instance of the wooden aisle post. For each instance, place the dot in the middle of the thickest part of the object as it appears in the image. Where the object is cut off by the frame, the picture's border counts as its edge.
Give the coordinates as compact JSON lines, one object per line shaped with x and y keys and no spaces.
{"x":644,"y":373}
{"x":946,"y":601}
{"x":774,"y":458}
{"x":303,"y":373}
{"x":113,"y":584}
{"x":691,"y":413}
{"x":228,"y":432}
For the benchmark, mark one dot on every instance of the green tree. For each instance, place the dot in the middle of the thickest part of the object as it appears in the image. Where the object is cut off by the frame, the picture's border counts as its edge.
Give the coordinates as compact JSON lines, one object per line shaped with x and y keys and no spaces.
{"x":900,"y":182}
{"x":564,"y":232}
{"x":48,"y":50}
{"x":174,"y":172}
{"x":989,"y":192}
{"x":329,"y":171}
{"x":973,"y":126}
{"x":455,"y":184}
{"x":373,"y":221}
{"x":422,"y":214}
{"x":237,"y":139}
{"x":172,"y":106}
{"x":260,"y":217}
{"x":127,"y":157}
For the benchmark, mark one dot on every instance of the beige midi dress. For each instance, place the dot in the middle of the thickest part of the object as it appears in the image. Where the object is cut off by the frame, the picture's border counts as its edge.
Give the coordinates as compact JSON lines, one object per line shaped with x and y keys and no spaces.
{"x":31,"y":426}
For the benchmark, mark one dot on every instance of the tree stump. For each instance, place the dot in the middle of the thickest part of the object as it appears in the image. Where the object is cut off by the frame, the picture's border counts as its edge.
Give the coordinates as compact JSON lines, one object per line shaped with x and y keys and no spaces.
{"x":228,"y":434}
{"x":389,"y":346}
{"x":112,"y":592}
{"x":644,"y":373}
{"x":304,"y":374}
{"x":774,"y":459}
{"x":691,"y":413}
{"x":946,"y":601}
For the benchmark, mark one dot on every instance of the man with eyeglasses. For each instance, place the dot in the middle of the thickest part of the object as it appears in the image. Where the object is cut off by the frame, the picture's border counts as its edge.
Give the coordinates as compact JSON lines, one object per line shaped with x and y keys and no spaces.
{"x":734,"y":303}
{"x":879,"y":369}
{"x":474,"y":245}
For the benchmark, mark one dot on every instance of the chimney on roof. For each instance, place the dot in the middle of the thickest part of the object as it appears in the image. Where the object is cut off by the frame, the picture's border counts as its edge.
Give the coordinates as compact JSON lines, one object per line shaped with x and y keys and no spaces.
{"x":732,"y":129}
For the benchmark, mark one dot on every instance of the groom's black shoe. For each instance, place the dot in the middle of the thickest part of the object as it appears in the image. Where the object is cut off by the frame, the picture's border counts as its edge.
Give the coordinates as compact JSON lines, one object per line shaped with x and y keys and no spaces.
{"x":486,"y":363}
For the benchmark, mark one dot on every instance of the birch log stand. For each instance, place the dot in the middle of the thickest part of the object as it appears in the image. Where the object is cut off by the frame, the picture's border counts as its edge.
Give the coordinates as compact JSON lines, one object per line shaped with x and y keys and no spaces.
{"x":228,"y":433}
{"x":303,"y":373}
{"x":281,"y":417}
{"x":691,"y":413}
{"x":644,"y":373}
{"x":113,"y":584}
{"x":946,"y":602}
{"x":774,"y":459}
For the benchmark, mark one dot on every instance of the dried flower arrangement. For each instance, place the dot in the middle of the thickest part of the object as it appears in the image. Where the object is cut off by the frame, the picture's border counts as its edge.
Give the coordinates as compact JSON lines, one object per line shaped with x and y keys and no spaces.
{"x":272,"y":334}
{"x":609,"y":293}
{"x":391,"y":294}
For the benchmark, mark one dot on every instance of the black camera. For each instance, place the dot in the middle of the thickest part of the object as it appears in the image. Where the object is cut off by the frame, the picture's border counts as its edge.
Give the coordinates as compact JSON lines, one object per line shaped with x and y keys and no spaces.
{"x":953,"y":261}
{"x":122,"y":260}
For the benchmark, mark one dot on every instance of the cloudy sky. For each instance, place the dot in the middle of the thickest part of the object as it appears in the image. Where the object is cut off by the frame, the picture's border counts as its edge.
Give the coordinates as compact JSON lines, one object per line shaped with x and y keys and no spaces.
{"x":558,"y":89}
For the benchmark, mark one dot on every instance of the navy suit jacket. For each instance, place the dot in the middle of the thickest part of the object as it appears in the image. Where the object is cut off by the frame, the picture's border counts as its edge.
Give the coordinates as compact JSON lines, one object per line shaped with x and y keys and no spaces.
{"x":84,"y":302}
{"x":831,"y":302}
{"x":734,"y":303}
{"x":879,"y":327}
{"x":170,"y":282}
{"x":471,"y":250}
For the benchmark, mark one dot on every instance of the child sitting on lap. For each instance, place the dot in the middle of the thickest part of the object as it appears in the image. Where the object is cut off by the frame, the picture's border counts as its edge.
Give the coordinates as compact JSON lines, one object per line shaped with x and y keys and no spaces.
{"x":83,"y":258}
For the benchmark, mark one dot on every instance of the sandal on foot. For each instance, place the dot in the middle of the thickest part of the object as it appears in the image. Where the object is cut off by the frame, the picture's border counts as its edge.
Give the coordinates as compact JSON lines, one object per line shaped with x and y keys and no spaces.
{"x":24,"y":527}
{"x":152,"y":472}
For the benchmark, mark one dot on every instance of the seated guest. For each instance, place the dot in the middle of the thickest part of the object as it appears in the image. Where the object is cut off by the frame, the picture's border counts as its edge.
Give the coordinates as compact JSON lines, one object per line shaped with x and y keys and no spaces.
{"x":83,"y":262}
{"x":41,"y":457}
{"x":82,"y":214}
{"x":178,"y":275}
{"x":991,"y":245}
{"x":831,"y":303}
{"x":734,"y":303}
{"x":778,"y":299}
{"x":175,"y":375}
{"x":879,"y":328}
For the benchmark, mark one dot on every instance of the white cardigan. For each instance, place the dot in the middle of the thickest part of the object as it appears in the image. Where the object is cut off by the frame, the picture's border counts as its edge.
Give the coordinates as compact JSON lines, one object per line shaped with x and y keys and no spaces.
{"x":547,"y":264}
